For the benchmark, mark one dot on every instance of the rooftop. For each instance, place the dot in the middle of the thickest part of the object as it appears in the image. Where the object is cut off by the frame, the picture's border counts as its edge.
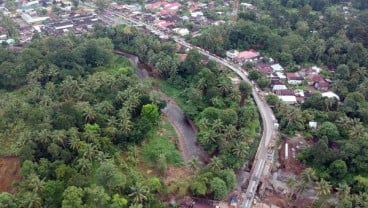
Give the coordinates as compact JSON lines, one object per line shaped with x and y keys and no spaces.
{"x":251,"y":54}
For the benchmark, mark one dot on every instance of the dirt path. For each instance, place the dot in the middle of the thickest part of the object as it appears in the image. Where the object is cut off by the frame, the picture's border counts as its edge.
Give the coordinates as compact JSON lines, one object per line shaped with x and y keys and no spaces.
{"x":187,"y":135}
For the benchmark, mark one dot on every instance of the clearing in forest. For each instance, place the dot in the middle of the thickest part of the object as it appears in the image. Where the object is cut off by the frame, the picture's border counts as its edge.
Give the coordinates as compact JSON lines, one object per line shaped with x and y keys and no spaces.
{"x":9,"y":172}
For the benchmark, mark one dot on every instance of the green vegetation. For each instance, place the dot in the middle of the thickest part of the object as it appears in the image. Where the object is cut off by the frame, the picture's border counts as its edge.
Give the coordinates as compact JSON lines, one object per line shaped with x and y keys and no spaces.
{"x":69,"y":111}
{"x":227,"y":118}
{"x":332,"y":34}
{"x":159,"y":149}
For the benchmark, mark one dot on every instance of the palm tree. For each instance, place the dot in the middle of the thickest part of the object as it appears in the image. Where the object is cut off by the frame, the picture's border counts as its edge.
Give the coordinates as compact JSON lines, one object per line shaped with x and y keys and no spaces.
{"x":203,"y":123}
{"x":59,"y":137}
{"x":217,"y":102}
{"x":240,"y":149}
{"x":357,"y":131}
{"x":126,"y":125}
{"x":89,"y":151}
{"x":194,"y":164}
{"x":31,"y":200}
{"x":230,"y":132}
{"x":139,"y":193}
{"x":308,"y":175}
{"x":44,"y":136}
{"x":35,"y":184}
{"x":136,"y":206}
{"x":329,"y":102}
{"x":105,"y":107}
{"x":343,"y":190}
{"x":132,"y":102}
{"x":301,"y":186}
{"x":90,"y":136}
{"x":216,"y":164}
{"x":292,"y":184}
{"x":89,"y":114}
{"x":323,"y":187}
{"x":345,"y":122}
{"x":217,"y":125}
{"x":202,"y":85}
{"x":207,"y":137}
{"x":68,"y":87}
{"x":224,"y":86}
{"x":84,"y":165}
{"x":74,"y":143}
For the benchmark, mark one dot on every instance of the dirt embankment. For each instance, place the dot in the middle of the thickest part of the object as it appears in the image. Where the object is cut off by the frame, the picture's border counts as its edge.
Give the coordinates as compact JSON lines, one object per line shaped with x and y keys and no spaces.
{"x":9,"y":172}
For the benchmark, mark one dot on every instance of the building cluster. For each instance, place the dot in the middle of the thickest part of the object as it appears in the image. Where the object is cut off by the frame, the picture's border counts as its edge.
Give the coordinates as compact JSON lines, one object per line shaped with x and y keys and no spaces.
{"x":283,"y":84}
{"x":173,"y":16}
{"x":75,"y":23}
{"x":49,"y":17}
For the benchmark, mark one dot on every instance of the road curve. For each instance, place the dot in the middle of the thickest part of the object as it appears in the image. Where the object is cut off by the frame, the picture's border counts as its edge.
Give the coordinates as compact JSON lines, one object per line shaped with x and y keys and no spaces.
{"x":265,"y":111}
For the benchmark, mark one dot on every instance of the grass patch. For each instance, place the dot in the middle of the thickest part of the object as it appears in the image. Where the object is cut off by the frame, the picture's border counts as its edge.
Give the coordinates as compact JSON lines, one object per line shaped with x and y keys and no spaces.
{"x":173,"y":92}
{"x":162,"y":142}
{"x":120,"y":65}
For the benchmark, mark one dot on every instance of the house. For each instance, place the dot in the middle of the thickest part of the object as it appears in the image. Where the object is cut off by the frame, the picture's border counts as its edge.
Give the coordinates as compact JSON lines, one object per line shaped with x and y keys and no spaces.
{"x":311,"y":70}
{"x":30,"y":20}
{"x":322,"y":85}
{"x":294,"y":78}
{"x":312,"y":124}
{"x":247,"y":5}
{"x":172,"y":6}
{"x":288,"y":99}
{"x":330,"y":94}
{"x":244,"y":56}
{"x":299,"y":93}
{"x":232,"y":54}
{"x":277,"y":68}
{"x":276,"y":81}
{"x":318,"y":82}
{"x":181,"y":31}
{"x":196,"y":14}
{"x":264,"y":68}
{"x":284,"y":92}
{"x":279,"y":87}
{"x":280,"y":75}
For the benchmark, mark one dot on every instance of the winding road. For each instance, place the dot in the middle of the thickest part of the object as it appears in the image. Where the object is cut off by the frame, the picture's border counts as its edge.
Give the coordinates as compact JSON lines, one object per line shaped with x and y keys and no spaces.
{"x":269,"y":131}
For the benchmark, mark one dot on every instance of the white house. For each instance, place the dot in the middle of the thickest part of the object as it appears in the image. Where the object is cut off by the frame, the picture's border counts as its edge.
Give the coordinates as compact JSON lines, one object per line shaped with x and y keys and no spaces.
{"x":196,"y":14}
{"x":313,"y":124}
{"x":288,"y":99}
{"x":279,"y":87}
{"x":280,"y":75}
{"x":330,"y":94}
{"x":27,"y":18}
{"x":277,"y":68}
{"x":232,"y":54}
{"x":294,"y":78}
{"x":181,"y":31}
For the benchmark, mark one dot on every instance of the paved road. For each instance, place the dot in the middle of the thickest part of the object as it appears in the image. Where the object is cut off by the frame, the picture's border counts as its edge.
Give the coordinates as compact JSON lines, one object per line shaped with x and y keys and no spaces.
{"x":265,"y":111}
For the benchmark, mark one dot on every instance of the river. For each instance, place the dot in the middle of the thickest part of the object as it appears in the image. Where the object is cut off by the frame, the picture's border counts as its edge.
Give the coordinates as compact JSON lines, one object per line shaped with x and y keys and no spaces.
{"x":188,"y":144}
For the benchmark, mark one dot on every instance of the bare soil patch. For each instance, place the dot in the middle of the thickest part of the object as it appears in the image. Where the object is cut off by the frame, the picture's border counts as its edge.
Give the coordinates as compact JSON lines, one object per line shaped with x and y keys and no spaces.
{"x":174,"y":174}
{"x":291,"y":164}
{"x":9,"y":172}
